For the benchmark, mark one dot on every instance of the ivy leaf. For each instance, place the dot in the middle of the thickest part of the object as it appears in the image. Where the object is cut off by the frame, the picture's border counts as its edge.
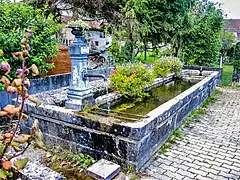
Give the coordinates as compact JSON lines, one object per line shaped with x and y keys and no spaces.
{"x":21,"y":163}
{"x":7,"y":165}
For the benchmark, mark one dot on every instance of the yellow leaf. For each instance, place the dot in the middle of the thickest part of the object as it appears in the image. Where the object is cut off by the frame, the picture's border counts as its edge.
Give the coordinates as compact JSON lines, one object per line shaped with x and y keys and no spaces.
{"x":21,"y":163}
{"x":1,"y":52}
{"x":17,"y":82}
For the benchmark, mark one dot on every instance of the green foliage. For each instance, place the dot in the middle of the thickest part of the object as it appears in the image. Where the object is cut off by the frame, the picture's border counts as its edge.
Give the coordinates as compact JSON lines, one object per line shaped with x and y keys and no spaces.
{"x":227,"y":75}
{"x":228,"y":40}
{"x":84,"y":159}
{"x":80,"y":23}
{"x":176,"y":135}
{"x":70,"y":164}
{"x":202,"y":40}
{"x":14,"y":19}
{"x":131,"y":79}
{"x":161,"y":68}
{"x":166,"y":65}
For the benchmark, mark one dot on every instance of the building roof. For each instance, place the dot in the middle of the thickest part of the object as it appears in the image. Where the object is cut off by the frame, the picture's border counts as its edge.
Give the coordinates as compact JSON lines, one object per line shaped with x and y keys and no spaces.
{"x":233,"y":25}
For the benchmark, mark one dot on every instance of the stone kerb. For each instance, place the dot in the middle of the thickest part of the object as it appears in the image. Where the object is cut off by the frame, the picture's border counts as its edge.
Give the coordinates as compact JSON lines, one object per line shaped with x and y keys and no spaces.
{"x":125,"y":143}
{"x":167,"y":117}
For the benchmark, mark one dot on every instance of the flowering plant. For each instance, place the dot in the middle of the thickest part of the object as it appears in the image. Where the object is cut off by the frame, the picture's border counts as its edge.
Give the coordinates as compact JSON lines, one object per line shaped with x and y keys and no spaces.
{"x":130,"y":80}
{"x":12,"y":143}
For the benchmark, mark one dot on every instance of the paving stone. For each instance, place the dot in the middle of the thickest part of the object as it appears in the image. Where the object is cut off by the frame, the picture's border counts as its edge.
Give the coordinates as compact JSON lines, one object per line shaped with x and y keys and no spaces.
{"x":180,"y":166}
{"x":231,"y":167}
{"x":215,"y":177}
{"x":186,"y":173}
{"x":201,"y":163}
{"x":223,"y":161}
{"x":171,"y":168}
{"x":209,"y":170}
{"x":191,"y":165}
{"x":199,"y":177}
{"x":199,"y":172}
{"x":210,"y":149}
{"x":173,"y":175}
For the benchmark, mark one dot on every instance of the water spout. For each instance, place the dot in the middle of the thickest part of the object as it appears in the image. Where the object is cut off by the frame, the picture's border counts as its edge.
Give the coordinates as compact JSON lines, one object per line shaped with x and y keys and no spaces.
{"x":96,"y":76}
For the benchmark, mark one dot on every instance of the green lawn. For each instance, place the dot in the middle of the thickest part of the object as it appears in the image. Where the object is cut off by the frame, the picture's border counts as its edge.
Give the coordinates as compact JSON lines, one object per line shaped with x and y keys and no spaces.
{"x":227,"y":75}
{"x":150,"y":57}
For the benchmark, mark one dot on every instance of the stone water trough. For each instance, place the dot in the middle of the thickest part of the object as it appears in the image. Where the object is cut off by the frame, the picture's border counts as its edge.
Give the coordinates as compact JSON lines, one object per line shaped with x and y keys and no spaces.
{"x":124,"y":142}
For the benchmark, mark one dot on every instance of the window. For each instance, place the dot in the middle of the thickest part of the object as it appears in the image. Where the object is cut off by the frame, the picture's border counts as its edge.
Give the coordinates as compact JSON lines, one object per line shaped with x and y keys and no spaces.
{"x":97,"y":43}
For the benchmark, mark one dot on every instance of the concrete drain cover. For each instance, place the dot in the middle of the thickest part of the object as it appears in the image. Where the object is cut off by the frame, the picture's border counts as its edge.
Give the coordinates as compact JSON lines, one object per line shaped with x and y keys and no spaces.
{"x":104,"y":170}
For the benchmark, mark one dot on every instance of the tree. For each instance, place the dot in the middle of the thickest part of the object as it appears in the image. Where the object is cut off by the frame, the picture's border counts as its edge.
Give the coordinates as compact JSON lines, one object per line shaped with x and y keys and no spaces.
{"x":154,"y":21}
{"x":109,"y":10}
{"x":14,"y":18}
{"x":228,"y":40}
{"x":202,"y":41}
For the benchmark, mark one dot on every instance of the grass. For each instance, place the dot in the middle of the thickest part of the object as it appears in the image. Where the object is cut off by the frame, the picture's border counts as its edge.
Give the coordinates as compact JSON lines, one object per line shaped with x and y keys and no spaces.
{"x":150,"y":57}
{"x":227,"y":75}
{"x":68,"y":163}
{"x":176,"y":135}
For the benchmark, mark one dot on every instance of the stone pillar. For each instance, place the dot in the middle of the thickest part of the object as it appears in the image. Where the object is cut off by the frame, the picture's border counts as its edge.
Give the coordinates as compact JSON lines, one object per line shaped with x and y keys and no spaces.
{"x":79,"y":94}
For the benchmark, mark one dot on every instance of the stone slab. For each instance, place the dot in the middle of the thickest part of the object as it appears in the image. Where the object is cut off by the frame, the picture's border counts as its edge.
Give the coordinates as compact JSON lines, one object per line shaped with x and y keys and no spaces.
{"x":104,"y":170}
{"x":37,"y":171}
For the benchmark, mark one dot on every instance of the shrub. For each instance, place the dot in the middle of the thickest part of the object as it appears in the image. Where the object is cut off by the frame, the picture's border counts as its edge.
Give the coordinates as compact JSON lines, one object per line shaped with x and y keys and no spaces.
{"x":167,"y":65}
{"x":130,"y":80}
{"x":176,"y":66}
{"x":12,"y":143}
{"x":14,"y":18}
{"x":161,"y":68}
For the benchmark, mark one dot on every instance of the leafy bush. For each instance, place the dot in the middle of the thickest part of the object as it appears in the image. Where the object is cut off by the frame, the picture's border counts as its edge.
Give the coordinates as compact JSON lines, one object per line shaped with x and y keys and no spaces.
{"x":12,"y":143}
{"x":202,"y":39}
{"x":176,"y":66}
{"x":167,"y":65}
{"x":130,"y":80}
{"x":14,"y":19}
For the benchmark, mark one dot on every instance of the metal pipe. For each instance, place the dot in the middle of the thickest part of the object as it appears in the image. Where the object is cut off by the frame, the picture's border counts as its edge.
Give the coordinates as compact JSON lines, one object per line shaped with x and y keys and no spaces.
{"x":97,"y":75}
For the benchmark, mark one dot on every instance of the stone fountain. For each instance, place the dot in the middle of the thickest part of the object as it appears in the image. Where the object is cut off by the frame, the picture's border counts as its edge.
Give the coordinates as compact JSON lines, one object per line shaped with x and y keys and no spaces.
{"x":80,"y":94}
{"x":125,"y":142}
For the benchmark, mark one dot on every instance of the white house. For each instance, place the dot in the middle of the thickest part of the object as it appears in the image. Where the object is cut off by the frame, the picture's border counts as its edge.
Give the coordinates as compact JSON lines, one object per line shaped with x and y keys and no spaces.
{"x":97,"y":38}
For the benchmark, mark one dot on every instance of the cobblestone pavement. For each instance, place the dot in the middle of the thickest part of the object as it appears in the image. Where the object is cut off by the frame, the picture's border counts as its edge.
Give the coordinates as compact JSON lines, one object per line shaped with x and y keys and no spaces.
{"x":210,"y":148}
